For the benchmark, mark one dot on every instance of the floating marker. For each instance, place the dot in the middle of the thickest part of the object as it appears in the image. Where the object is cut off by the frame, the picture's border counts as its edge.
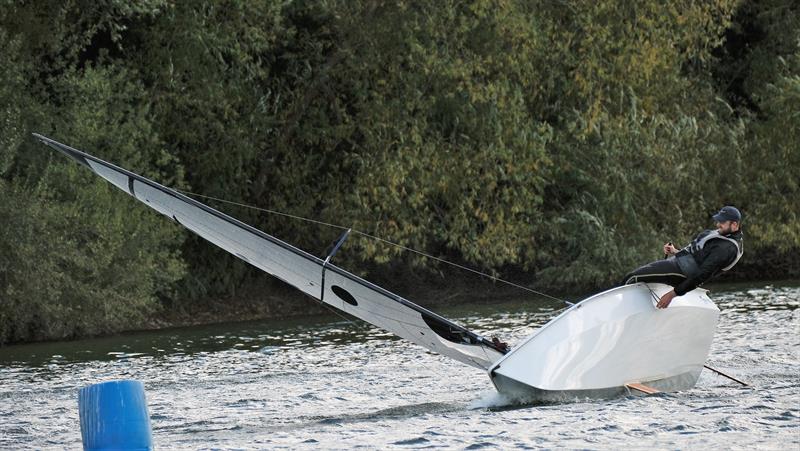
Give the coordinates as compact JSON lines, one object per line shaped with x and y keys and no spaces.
{"x":114,"y":416}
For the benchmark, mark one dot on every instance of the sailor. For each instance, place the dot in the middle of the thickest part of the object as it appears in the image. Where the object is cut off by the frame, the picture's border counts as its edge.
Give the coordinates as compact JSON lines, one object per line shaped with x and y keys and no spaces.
{"x":710,"y":252}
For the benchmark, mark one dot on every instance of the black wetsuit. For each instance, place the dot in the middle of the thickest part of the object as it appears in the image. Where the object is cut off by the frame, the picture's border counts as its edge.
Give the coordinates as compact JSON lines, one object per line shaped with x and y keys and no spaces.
{"x":692,"y":265}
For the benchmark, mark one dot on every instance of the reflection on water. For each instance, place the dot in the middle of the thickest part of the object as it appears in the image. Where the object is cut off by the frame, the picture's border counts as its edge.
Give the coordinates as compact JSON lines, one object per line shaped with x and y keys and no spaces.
{"x":326,"y":382}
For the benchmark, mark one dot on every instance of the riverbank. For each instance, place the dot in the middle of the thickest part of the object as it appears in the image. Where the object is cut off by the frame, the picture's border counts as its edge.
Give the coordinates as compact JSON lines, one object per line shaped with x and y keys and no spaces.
{"x":264,"y":297}
{"x":271,"y":300}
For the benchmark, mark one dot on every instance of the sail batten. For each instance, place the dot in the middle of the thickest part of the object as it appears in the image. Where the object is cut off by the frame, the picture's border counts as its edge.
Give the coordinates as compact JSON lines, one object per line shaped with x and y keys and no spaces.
{"x":304,"y":271}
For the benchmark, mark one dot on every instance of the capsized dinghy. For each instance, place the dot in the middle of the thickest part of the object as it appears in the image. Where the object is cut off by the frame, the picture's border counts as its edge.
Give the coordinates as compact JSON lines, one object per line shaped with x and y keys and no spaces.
{"x":593,"y":349}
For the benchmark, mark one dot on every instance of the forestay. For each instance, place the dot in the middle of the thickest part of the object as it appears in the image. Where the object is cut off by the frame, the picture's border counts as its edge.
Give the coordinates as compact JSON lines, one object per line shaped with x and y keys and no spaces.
{"x":298,"y":268}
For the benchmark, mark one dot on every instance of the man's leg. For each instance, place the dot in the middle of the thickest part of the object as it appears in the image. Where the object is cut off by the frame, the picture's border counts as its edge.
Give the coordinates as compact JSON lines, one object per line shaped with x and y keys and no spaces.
{"x":661,"y":271}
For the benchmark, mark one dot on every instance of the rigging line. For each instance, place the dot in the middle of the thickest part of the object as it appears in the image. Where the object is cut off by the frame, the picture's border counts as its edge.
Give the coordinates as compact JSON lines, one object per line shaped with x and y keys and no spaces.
{"x":274,"y":212}
{"x":655,"y":296}
{"x":465,"y":268}
{"x":367,"y":235}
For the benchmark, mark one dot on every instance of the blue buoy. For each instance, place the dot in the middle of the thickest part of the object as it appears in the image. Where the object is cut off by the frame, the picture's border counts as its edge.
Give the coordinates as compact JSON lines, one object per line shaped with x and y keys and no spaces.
{"x":114,"y":416}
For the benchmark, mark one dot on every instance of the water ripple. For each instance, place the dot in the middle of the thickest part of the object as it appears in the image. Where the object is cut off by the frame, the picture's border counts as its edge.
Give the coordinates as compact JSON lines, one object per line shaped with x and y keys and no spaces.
{"x":326,"y":383}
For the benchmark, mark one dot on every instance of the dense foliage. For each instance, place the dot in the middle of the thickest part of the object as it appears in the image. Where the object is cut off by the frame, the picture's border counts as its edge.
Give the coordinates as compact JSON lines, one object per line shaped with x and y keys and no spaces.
{"x":560,"y":141}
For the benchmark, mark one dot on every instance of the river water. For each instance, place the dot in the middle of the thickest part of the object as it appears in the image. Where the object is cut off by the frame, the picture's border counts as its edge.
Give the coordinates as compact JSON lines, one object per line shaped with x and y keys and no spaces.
{"x":324,"y":382}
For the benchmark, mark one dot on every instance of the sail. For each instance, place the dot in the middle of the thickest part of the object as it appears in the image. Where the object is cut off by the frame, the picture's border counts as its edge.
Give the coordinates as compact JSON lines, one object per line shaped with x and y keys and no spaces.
{"x":306,"y":272}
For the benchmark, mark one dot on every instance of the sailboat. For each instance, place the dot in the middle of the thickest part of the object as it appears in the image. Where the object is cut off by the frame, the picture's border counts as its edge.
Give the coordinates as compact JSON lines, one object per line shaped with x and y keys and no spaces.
{"x":601,"y":347}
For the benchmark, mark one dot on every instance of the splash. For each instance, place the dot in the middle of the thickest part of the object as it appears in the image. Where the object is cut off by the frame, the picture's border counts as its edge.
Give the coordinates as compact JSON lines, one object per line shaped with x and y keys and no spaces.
{"x":492,"y":400}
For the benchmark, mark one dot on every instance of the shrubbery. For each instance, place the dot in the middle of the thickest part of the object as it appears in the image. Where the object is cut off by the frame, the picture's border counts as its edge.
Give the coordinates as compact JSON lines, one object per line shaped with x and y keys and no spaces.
{"x":562,"y":140}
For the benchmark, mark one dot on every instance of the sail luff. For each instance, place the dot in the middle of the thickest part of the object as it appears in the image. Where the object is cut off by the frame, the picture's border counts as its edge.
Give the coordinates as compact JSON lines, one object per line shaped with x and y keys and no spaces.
{"x":83,"y":158}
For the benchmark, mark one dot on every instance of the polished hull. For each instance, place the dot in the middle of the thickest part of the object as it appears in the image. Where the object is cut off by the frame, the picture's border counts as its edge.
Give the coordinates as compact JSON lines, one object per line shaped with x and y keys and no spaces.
{"x":618,"y":337}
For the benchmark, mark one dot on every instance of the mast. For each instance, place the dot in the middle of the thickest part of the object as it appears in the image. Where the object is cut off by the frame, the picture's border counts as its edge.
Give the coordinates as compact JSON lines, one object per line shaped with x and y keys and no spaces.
{"x":315,"y":277}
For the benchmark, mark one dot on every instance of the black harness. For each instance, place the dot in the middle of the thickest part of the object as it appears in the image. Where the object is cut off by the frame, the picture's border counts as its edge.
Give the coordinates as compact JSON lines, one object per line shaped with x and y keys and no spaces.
{"x":686,"y":257}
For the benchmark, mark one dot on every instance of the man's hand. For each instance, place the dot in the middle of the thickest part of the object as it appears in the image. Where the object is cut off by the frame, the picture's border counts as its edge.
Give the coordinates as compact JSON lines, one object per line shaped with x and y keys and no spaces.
{"x":666,"y":299}
{"x":669,"y":249}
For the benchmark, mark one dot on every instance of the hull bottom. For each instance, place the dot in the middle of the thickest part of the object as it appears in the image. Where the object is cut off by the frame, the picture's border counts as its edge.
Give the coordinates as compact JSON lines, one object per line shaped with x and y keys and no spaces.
{"x":525,"y":393}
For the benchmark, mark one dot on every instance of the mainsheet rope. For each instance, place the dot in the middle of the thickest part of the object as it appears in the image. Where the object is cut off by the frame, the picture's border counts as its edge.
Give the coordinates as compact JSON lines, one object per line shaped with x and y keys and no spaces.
{"x":385,"y":241}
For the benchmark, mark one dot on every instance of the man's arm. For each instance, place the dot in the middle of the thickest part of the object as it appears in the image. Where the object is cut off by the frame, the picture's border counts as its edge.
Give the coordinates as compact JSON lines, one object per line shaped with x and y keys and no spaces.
{"x":669,"y":249}
{"x":666,"y":299}
{"x":719,"y":256}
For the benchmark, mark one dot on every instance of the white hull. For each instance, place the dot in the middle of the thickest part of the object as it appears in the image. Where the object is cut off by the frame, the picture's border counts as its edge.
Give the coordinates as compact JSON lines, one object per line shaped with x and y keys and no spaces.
{"x":611,"y":339}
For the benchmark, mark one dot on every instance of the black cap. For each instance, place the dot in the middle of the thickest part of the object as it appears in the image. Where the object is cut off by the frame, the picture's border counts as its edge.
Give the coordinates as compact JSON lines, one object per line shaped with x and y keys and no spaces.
{"x":728,"y":213}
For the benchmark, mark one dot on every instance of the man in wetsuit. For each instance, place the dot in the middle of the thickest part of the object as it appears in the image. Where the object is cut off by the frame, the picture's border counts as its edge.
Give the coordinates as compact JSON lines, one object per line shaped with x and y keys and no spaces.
{"x":710,"y":252}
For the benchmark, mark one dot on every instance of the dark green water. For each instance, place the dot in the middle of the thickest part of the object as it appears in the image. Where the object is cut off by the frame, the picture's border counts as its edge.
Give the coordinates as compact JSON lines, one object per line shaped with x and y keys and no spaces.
{"x":327,"y":383}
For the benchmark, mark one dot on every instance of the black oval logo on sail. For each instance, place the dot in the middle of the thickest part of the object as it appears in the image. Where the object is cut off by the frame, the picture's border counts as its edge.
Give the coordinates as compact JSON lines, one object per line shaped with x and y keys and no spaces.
{"x":344,"y":295}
